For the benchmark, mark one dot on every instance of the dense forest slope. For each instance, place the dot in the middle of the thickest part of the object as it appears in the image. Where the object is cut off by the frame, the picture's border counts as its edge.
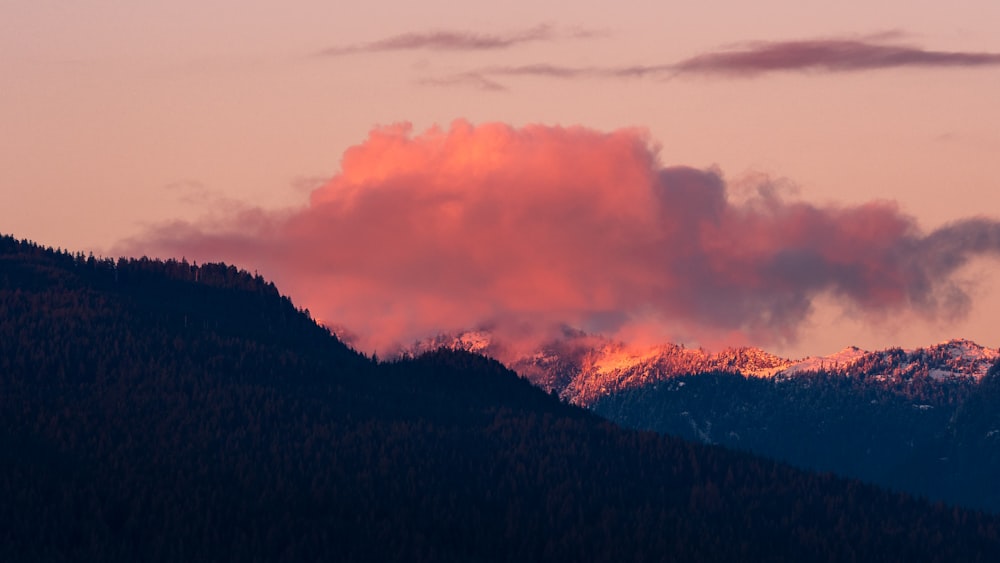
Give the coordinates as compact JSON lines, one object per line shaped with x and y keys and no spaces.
{"x":161,"y":411}
{"x":935,"y":438}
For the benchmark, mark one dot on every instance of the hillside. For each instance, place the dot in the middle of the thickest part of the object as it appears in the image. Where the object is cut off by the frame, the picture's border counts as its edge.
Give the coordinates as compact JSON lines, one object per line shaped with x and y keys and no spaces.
{"x":939,"y":438}
{"x":163,"y":411}
{"x":920,"y":420}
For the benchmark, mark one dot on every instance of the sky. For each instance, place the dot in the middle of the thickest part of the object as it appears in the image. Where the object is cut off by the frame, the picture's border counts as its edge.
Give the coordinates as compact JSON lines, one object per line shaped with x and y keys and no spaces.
{"x":802,"y":176}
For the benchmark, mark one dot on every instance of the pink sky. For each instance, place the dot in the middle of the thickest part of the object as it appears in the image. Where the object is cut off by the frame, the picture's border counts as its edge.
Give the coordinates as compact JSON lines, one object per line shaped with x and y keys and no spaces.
{"x":120,"y":120}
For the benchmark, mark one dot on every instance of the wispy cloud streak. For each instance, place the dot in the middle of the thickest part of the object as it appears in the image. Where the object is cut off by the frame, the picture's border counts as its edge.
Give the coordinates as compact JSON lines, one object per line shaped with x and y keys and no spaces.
{"x":451,"y":40}
{"x":831,"y":55}
{"x":488,"y":78}
{"x":556,"y":71}
{"x":470,"y":79}
{"x":748,"y":60}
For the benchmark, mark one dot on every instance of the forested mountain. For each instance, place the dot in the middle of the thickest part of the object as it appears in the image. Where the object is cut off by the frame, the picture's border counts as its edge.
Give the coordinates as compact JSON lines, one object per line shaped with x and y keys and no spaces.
{"x":163,"y":411}
{"x":939,"y":438}
{"x":923,"y":421}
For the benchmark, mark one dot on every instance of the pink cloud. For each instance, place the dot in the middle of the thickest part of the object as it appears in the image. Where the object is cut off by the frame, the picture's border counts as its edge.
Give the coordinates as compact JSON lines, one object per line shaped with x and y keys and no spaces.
{"x":539,"y":227}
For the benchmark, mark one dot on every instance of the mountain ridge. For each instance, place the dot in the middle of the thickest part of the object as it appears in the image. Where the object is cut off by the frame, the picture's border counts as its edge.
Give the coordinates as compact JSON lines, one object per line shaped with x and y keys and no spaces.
{"x":583,"y":368}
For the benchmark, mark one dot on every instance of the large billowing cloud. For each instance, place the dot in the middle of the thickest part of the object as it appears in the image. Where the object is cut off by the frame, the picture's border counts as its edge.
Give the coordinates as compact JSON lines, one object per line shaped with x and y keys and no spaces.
{"x":534,"y":227}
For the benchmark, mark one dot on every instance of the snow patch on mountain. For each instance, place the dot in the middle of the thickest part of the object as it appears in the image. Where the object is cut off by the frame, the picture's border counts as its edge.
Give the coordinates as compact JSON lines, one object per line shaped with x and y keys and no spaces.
{"x":834,"y":362}
{"x":582,"y":368}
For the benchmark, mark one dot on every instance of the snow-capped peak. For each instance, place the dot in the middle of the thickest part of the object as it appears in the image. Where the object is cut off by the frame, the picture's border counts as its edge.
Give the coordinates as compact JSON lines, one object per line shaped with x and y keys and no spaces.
{"x":583,"y":368}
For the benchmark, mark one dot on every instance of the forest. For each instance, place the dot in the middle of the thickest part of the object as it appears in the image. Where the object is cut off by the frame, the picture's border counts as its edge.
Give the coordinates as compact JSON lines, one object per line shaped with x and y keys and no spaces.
{"x":939,"y":439}
{"x":157,"y":410}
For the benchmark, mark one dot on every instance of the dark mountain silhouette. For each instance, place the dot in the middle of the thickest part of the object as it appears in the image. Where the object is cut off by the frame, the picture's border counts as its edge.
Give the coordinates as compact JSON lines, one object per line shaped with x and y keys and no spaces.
{"x":163,"y":411}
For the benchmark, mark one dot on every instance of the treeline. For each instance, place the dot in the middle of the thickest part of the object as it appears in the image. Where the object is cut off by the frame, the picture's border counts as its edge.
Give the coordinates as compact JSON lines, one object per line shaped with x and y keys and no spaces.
{"x":152,"y":414}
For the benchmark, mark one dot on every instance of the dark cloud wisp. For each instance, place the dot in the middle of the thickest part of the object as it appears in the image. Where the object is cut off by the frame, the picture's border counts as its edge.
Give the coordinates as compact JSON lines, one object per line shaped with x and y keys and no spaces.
{"x":452,"y":40}
{"x":753,"y":59}
{"x":831,"y":55}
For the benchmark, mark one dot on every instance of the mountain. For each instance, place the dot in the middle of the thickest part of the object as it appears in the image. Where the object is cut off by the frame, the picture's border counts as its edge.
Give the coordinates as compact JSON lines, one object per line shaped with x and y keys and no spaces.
{"x":165,"y":411}
{"x":583,"y":368}
{"x":925,"y":421}
{"x":916,"y":420}
{"x":950,"y":360}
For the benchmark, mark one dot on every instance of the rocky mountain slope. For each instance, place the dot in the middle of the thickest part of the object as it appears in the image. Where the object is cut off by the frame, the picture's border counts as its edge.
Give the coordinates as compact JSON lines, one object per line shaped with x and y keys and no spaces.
{"x":582,"y":368}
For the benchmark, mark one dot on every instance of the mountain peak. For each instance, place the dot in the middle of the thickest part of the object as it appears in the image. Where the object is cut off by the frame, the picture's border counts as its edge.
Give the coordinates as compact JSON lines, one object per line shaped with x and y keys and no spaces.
{"x":583,"y":368}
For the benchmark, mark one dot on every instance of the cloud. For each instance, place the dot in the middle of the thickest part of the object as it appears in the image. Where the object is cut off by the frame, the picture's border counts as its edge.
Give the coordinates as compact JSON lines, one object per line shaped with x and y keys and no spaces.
{"x":449,"y":40}
{"x":826,"y":55}
{"x":556,"y":71}
{"x":473,"y":79}
{"x":750,"y":59}
{"x":487,"y":78}
{"x":541,"y":227}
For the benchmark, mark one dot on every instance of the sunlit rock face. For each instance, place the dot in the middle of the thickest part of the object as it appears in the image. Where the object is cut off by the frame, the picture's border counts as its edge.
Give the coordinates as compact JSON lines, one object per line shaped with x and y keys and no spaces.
{"x":582,"y":368}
